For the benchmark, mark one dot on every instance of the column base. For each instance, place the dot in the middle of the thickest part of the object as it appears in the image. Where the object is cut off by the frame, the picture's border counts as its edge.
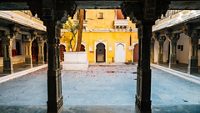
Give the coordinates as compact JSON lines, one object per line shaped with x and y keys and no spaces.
{"x":7,"y":67}
{"x":7,"y":71}
{"x":172,"y":61}
{"x":142,"y":106}
{"x":28,"y":61}
{"x":160,"y":59}
{"x":40,"y":60}
{"x":55,"y":107}
{"x":55,"y":98}
{"x":193,"y":66}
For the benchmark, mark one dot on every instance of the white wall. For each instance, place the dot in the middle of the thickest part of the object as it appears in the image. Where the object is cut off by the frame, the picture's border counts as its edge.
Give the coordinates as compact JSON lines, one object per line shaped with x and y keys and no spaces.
{"x":156,"y":50}
{"x":183,"y":56}
{"x":165,"y":50}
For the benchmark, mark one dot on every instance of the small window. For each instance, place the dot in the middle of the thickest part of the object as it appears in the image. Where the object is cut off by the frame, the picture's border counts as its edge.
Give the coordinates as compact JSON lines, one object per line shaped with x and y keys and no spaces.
{"x":100,"y":15}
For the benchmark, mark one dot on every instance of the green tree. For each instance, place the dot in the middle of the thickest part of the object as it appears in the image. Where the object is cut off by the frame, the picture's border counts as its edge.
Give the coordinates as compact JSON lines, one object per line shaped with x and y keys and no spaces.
{"x":73,"y":29}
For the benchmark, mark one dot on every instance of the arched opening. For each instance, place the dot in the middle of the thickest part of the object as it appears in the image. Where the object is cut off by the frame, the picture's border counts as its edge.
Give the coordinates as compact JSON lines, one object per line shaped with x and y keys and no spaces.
{"x":100,"y":53}
{"x":135,"y":53}
{"x":18,"y":47}
{"x":120,"y":53}
{"x":62,"y":50}
{"x":45,"y":52}
{"x":82,"y":47}
{"x":35,"y":51}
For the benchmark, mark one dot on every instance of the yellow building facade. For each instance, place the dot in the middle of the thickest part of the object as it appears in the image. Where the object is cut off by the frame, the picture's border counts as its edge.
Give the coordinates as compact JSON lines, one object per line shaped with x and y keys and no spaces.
{"x":107,"y":37}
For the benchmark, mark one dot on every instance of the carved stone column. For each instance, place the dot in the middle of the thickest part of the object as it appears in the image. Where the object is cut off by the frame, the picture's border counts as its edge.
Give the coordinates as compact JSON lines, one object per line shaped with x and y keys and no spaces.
{"x":143,"y":96}
{"x":173,"y":38}
{"x":7,"y":50}
{"x":152,"y":50}
{"x":27,"y":42}
{"x":55,"y":98}
{"x":193,"y":53}
{"x":161,"y":40}
{"x":194,"y":34}
{"x":40,"y":50}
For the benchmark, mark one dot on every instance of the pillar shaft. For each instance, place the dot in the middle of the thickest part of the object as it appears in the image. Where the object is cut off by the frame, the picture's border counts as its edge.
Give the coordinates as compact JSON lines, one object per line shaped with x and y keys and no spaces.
{"x":161,"y":41}
{"x":173,"y":43}
{"x":7,"y":58}
{"x":55,"y":98}
{"x":193,"y":56}
{"x":143,"y":96}
{"x":41,"y":52}
{"x":152,"y":50}
{"x":28,"y":52}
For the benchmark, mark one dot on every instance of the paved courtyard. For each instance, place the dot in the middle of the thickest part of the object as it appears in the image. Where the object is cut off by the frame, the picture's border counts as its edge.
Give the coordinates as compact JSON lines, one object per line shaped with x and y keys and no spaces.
{"x":101,"y":89}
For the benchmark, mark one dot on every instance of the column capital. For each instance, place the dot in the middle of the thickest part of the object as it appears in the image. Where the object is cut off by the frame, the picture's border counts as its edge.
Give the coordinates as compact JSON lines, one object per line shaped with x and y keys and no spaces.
{"x":14,"y":31}
{"x":191,"y":31}
{"x":26,"y":38}
{"x":172,"y":36}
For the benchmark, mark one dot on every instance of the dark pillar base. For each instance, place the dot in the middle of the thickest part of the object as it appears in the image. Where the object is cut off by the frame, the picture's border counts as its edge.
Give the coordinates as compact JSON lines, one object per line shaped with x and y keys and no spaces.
{"x":55,"y":107}
{"x":160,"y":59}
{"x":193,"y":66}
{"x":142,"y":106}
{"x":55,"y":98}
{"x":143,"y":102}
{"x":7,"y":67}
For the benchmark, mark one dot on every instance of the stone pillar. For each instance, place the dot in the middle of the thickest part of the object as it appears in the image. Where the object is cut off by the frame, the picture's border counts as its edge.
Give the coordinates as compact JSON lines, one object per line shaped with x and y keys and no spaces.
{"x":55,"y":98}
{"x":40,"y":51}
{"x":7,"y":50}
{"x":193,"y":53}
{"x":143,"y":96}
{"x":27,"y":42}
{"x":161,"y":40}
{"x":152,"y":50}
{"x":173,"y":43}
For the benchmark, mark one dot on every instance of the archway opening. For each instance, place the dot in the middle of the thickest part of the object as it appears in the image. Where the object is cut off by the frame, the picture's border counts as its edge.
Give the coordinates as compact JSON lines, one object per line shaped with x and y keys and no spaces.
{"x":18,"y":47}
{"x":100,"y":53}
{"x":35,"y":51}
{"x":82,"y":47}
{"x":62,"y":50}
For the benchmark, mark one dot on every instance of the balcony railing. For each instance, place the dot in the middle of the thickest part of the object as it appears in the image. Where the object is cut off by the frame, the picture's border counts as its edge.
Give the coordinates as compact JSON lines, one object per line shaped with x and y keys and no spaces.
{"x":122,"y":22}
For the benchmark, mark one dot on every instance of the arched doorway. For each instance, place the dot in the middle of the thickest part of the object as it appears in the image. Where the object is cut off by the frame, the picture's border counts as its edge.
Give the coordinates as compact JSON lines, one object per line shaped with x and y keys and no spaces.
{"x":82,"y":47}
{"x":120,"y":53}
{"x":18,"y":47}
{"x":35,"y":51}
{"x":100,"y":53}
{"x":135,"y":53}
{"x":62,"y":50}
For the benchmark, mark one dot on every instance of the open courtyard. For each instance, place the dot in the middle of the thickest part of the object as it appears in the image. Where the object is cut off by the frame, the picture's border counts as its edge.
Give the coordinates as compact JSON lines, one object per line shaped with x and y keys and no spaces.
{"x":101,"y":89}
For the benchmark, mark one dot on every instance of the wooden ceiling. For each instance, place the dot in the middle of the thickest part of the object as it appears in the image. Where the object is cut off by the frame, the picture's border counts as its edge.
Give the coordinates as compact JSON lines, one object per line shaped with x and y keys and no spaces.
{"x":102,"y":4}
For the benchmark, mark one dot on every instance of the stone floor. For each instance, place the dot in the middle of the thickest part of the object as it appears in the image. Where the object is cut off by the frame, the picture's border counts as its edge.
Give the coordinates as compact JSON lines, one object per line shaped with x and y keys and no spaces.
{"x":101,"y":89}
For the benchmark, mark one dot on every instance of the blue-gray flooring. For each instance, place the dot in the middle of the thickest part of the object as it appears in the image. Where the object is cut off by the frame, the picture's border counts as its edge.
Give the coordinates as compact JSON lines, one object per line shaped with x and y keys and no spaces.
{"x":101,"y":89}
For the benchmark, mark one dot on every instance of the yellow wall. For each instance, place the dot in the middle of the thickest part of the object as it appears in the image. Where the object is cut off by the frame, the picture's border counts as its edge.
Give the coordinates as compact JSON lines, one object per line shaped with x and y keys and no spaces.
{"x":91,"y":39}
{"x":94,"y":34}
{"x":95,"y":23}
